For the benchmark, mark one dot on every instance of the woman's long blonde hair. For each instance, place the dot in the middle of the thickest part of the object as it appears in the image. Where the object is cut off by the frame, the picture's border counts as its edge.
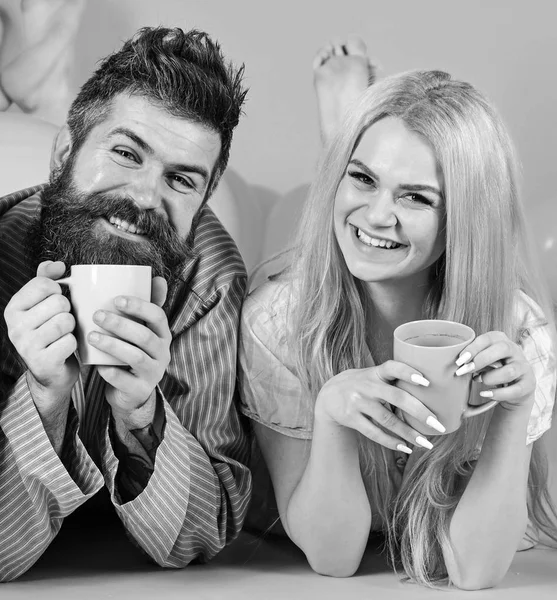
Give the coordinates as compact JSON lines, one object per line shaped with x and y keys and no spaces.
{"x":487,"y":259}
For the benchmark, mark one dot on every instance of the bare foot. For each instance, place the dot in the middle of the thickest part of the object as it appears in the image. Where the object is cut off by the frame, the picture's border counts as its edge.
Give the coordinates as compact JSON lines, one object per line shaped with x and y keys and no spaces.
{"x":342,"y":71}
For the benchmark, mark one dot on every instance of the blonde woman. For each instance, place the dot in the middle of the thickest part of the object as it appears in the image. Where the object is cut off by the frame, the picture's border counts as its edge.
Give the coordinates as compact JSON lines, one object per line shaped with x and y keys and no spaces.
{"x":414,"y":214}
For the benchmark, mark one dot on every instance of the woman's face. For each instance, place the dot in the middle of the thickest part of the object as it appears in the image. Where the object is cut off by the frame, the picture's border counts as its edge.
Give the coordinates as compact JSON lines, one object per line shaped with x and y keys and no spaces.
{"x":389,"y":208}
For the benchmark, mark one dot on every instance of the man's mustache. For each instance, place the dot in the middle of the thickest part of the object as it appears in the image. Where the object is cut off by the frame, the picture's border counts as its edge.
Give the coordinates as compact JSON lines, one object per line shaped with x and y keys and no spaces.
{"x":101,"y":205}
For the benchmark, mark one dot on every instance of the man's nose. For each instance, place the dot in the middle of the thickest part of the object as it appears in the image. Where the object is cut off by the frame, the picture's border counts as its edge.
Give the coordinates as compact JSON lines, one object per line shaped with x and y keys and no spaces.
{"x":146,"y":190}
{"x":381,"y":209}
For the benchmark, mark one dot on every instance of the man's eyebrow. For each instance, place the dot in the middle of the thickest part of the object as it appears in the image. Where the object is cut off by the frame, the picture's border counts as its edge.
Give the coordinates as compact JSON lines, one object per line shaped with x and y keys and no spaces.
{"x":199,"y":169}
{"x":411,"y":187}
{"x":133,"y":137}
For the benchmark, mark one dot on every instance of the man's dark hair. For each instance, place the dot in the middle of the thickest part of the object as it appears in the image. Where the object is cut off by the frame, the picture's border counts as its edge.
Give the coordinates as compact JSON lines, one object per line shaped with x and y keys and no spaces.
{"x":185,"y":73}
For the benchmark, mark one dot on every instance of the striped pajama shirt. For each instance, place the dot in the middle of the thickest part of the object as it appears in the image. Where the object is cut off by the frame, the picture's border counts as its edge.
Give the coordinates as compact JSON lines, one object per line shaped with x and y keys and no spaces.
{"x":197,"y":496}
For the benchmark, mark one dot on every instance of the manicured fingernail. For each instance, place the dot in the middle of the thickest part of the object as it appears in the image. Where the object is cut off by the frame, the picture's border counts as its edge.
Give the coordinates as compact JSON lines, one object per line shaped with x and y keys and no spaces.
{"x":94,"y":337}
{"x":419,"y":379}
{"x":421,"y":441}
{"x":100,"y":316}
{"x":486,"y":394}
{"x":468,"y":368}
{"x":434,"y":423}
{"x":404,"y":448}
{"x":121,"y":302}
{"x":463,"y":358}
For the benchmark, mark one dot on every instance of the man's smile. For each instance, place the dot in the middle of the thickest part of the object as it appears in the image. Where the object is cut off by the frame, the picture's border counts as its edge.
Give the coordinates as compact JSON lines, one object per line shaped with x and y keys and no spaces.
{"x":122,"y":228}
{"x":125,"y":226}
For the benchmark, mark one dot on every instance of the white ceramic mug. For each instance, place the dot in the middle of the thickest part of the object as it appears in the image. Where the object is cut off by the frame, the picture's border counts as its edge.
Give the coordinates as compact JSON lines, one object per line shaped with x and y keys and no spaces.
{"x":93,"y":288}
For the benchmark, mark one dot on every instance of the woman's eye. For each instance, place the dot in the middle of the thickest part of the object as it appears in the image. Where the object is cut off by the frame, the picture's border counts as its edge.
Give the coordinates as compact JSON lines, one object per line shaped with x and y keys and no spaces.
{"x":418,"y":199}
{"x":361,"y":178}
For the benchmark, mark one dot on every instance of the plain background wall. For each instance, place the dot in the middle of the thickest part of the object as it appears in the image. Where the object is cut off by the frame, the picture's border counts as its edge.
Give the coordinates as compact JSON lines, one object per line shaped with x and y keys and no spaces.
{"x":508,"y":48}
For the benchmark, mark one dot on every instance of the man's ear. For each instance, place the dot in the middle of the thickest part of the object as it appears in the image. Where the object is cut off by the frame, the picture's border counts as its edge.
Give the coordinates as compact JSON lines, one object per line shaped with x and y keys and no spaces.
{"x":61,"y":148}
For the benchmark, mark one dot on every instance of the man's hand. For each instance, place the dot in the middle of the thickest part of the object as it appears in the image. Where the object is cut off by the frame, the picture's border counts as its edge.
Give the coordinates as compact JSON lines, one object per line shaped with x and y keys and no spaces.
{"x":41,"y":327}
{"x":144,"y":346}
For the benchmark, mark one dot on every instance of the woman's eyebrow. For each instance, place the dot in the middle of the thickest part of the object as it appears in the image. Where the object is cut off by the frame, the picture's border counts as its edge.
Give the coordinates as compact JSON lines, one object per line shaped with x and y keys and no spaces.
{"x":411,"y":187}
{"x":364,"y":168}
{"x":418,"y":187}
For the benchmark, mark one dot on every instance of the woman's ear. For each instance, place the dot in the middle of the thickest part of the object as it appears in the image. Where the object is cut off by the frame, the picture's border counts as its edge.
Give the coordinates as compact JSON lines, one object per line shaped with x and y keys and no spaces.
{"x":61,"y":148}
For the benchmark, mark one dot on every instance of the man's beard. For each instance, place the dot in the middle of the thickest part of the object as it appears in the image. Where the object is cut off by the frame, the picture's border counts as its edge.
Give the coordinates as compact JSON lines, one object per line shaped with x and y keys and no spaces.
{"x":69,"y":230}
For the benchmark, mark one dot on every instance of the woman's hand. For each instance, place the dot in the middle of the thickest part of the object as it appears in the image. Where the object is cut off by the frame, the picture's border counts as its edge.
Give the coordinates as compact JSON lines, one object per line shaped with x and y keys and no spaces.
{"x":363,"y":399}
{"x":500,"y":365}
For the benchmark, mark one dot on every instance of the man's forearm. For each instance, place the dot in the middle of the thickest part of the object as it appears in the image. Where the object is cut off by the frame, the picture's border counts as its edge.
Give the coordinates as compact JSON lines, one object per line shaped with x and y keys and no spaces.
{"x":136,"y":438}
{"x":38,"y":488}
{"x":53,"y":411}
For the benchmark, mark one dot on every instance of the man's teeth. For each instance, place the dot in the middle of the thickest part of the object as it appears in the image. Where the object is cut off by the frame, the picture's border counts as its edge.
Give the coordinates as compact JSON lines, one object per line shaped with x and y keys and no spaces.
{"x":378,"y":243}
{"x":125,"y":226}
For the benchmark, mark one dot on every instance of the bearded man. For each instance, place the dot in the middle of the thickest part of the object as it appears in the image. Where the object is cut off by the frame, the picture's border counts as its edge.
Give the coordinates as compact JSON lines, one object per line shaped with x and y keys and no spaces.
{"x":146,"y":140}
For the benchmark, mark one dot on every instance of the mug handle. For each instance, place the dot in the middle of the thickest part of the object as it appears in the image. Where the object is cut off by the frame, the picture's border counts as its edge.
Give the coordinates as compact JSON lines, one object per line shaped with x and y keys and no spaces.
{"x":64,"y":281}
{"x":472,"y":411}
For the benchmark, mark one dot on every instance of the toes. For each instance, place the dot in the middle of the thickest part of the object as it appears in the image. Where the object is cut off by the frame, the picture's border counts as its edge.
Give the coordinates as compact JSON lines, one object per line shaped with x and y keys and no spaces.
{"x":355,"y":45}
{"x":323,"y":55}
{"x":338,"y":46}
{"x":372,"y":68}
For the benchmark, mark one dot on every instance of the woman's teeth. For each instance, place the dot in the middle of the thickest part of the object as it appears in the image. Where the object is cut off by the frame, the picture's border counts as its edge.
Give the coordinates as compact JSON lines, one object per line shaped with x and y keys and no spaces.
{"x":125,"y":226}
{"x":378,"y":243}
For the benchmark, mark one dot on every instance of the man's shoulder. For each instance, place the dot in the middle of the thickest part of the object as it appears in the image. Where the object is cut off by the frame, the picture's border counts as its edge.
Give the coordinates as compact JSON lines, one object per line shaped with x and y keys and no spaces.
{"x":17,"y":214}
{"x":15,"y":198}
{"x":218,"y":259}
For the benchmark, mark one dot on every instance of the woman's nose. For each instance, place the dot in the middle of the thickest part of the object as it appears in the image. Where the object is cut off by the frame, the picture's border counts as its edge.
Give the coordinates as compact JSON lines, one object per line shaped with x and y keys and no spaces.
{"x":381,"y":210}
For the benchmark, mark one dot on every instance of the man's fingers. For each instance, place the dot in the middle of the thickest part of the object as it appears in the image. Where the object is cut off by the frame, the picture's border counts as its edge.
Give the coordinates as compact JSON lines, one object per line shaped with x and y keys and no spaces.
{"x":159,"y":289}
{"x":31,"y":294}
{"x":150,"y":313}
{"x":52,"y":270}
{"x":60,"y":350}
{"x":54,"y":329}
{"x":130,"y":333}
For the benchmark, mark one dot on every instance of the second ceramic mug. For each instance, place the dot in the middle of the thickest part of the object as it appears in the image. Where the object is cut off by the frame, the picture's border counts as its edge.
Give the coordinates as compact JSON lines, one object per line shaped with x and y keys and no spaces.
{"x":432,"y":347}
{"x":94,"y":287}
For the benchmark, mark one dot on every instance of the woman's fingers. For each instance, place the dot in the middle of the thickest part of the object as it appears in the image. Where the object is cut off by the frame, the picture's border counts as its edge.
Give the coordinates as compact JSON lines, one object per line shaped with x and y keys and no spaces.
{"x":389,"y":421}
{"x":488,"y":350}
{"x":392,"y":371}
{"x":521,"y":389}
{"x":374,"y":433}
{"x":505,"y":374}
